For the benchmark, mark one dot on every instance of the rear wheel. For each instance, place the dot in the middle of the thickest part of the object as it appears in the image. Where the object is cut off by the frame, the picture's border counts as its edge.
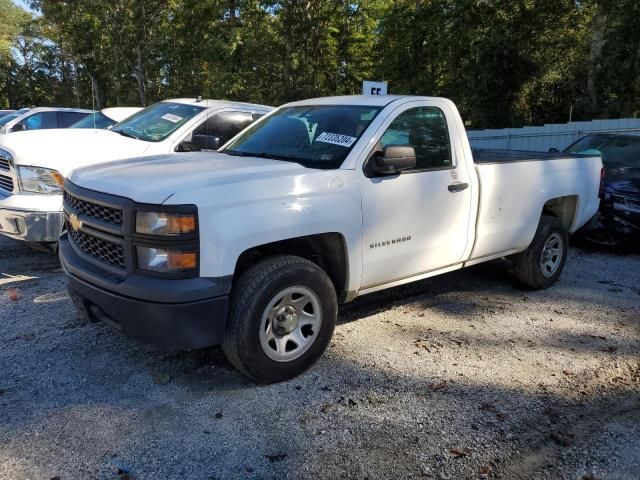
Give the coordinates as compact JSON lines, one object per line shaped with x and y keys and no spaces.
{"x":540,"y":265}
{"x":283,"y":312}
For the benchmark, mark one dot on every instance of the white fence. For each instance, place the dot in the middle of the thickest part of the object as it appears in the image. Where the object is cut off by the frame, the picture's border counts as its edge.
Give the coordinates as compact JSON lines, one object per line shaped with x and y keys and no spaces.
{"x":541,"y":139}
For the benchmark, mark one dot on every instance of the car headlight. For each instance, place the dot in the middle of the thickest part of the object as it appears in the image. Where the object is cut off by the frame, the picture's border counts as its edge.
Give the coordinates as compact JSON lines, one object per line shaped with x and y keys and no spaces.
{"x":154,"y":223}
{"x":167,"y":261}
{"x":39,"y":180}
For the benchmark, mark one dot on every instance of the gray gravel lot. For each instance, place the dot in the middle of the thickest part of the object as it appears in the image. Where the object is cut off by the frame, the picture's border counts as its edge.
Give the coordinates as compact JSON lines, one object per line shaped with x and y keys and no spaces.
{"x":460,"y":376}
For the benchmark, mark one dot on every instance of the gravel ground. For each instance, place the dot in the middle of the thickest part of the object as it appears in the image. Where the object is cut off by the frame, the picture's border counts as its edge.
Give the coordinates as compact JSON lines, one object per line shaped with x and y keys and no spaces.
{"x":460,"y":376}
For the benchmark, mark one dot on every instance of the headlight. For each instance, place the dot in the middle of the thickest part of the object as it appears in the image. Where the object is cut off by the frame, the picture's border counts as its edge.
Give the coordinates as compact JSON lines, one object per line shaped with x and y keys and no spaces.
{"x":39,"y":180}
{"x":161,"y":260}
{"x":152,"y":223}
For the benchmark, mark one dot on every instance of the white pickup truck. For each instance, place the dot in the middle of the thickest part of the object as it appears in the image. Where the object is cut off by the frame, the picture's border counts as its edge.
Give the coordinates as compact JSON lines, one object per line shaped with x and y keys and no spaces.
{"x":33,"y":164}
{"x":317,"y":203}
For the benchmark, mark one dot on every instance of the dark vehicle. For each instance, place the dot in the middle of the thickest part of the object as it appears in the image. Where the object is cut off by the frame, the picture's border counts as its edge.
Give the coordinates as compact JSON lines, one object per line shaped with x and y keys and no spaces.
{"x":5,"y":112}
{"x":618,"y":221}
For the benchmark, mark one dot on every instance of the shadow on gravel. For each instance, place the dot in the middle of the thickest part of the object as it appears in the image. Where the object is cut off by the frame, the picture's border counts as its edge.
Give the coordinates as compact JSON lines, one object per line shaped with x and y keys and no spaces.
{"x":630,"y":247}
{"x":31,"y":260}
{"x":473,"y":421}
{"x":359,"y":420}
{"x":491,"y":277}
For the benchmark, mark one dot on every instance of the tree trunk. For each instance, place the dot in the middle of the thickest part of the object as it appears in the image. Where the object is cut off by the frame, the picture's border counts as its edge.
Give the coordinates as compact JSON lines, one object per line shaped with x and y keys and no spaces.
{"x":95,"y":89}
{"x":142,"y":39}
{"x":140,"y":77}
{"x":598,"y":29}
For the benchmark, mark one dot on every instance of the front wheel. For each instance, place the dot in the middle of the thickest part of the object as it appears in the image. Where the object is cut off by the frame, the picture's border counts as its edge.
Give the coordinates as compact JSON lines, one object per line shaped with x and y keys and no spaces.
{"x":540,"y":265}
{"x":283,"y":312}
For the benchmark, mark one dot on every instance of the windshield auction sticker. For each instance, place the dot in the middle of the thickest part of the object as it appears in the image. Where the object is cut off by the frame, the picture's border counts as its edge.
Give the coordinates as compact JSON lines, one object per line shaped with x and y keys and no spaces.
{"x":336,"y":139}
{"x":171,"y":117}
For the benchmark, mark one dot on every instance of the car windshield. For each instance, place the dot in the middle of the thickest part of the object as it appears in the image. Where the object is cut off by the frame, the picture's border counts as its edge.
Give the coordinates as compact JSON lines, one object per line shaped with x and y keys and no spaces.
{"x":620,"y":151}
{"x":97,"y":120}
{"x":157,"y":122}
{"x":6,"y":119}
{"x":314,"y":136}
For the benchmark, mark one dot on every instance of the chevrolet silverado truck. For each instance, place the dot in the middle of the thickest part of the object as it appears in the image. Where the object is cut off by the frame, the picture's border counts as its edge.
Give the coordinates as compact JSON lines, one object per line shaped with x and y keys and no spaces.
{"x":33,"y":164}
{"x":321,"y":201}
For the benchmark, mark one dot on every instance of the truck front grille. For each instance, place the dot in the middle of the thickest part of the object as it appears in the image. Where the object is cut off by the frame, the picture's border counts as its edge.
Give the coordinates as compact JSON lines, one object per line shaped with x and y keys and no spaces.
{"x":103,"y":250}
{"x":6,"y":183}
{"x":6,"y":179}
{"x":103,"y":213}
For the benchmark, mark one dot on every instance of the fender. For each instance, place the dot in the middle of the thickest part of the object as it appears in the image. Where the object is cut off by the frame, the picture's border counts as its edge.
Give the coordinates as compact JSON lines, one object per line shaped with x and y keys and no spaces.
{"x":235,"y":217}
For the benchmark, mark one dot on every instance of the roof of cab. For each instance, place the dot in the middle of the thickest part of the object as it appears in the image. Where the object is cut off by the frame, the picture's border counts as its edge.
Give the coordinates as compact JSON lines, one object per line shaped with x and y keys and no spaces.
{"x":366,"y":100}
{"x":58,"y":109}
{"x":119,"y":113}
{"x":205,"y":102}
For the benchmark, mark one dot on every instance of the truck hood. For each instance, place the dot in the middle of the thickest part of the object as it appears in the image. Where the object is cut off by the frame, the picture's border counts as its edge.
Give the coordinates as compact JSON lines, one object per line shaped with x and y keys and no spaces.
{"x":154,"y":179}
{"x":69,"y":148}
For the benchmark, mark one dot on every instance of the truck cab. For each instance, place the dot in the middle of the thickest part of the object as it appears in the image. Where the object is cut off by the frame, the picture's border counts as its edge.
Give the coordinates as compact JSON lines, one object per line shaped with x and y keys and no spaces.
{"x":254,"y":246}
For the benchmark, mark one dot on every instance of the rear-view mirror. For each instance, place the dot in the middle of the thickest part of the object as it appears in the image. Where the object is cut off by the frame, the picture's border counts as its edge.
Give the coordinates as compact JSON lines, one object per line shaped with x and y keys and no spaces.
{"x":392,"y":160}
{"x":201,"y":142}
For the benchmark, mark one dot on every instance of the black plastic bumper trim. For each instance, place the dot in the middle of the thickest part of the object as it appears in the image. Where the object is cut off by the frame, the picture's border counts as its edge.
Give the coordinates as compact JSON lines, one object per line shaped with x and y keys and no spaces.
{"x":180,"y":325}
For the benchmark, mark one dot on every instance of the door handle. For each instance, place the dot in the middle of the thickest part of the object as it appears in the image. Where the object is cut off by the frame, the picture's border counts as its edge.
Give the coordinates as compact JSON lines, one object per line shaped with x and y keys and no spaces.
{"x":458,"y":187}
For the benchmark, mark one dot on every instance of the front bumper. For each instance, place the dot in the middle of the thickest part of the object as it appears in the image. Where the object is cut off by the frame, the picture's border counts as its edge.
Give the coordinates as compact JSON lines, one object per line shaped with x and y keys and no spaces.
{"x":31,"y":226}
{"x":176,"y":313}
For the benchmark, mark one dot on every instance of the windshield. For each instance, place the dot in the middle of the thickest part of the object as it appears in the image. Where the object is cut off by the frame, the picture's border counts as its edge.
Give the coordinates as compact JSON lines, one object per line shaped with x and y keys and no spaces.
{"x":315,"y":136}
{"x":12,"y":116}
{"x":97,"y":120}
{"x":616,"y":151}
{"x":157,"y":122}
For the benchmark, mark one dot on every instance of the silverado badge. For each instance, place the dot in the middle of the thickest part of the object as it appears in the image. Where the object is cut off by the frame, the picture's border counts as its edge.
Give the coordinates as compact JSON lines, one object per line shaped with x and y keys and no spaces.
{"x":75,"y":222}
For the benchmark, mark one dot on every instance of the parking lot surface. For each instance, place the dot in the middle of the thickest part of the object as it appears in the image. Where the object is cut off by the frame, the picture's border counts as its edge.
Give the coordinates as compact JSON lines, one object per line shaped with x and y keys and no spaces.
{"x":459,"y":376}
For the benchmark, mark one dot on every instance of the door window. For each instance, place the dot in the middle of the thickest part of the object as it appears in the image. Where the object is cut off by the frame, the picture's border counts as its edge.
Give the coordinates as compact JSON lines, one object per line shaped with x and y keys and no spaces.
{"x":66,"y":119}
{"x":42,"y":120}
{"x":424,"y":129}
{"x":225,"y":125}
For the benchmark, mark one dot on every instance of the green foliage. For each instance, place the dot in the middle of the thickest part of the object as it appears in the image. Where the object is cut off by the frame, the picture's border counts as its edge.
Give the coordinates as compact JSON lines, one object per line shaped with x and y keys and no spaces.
{"x":504,"y":62}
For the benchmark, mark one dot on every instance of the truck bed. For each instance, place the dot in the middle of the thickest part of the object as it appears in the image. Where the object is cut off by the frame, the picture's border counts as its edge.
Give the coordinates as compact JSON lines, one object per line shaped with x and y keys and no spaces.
{"x":484,"y":156}
{"x":514,"y":188}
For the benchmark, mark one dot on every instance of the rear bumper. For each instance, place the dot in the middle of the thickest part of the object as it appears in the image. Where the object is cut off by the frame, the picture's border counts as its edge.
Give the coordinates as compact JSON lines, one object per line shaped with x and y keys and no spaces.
{"x":178,"y":314}
{"x":31,"y":226}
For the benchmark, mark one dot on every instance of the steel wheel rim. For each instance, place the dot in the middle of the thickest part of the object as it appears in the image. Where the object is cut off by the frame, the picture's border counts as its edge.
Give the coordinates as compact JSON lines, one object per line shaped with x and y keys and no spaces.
{"x":551,"y":255}
{"x":290,"y":323}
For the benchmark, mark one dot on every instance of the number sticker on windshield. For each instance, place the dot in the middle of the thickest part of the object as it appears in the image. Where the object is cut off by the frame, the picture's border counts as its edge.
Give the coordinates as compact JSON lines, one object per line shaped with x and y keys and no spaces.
{"x":336,"y":139}
{"x":171,"y":117}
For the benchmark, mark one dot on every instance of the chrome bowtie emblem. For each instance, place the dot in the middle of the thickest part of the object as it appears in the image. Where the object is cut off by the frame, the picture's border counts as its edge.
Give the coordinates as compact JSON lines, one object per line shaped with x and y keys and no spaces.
{"x":75,"y":222}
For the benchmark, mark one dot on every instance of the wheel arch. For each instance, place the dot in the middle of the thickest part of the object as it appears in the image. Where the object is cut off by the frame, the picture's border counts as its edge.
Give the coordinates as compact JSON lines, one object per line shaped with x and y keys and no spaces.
{"x":564,"y":209}
{"x":327,"y":250}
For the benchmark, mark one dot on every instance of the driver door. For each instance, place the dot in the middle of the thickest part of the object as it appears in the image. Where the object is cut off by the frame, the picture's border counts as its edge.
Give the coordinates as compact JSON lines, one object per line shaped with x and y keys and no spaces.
{"x":419,"y":220}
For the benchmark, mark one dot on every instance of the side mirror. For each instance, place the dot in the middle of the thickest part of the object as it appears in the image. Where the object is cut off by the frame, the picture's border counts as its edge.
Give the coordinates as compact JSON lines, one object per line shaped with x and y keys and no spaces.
{"x":554,"y":150}
{"x":19,"y":127}
{"x":392,"y":160}
{"x":201,"y":142}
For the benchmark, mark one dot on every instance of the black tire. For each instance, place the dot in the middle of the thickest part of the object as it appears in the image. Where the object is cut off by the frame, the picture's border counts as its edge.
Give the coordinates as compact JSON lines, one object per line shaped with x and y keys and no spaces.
{"x":251,"y":296}
{"x":528,"y":264}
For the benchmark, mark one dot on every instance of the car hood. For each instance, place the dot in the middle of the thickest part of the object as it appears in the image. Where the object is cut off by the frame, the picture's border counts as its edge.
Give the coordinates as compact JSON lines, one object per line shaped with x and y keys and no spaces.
{"x":623,"y":180}
{"x":154,"y":179}
{"x":69,"y":148}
